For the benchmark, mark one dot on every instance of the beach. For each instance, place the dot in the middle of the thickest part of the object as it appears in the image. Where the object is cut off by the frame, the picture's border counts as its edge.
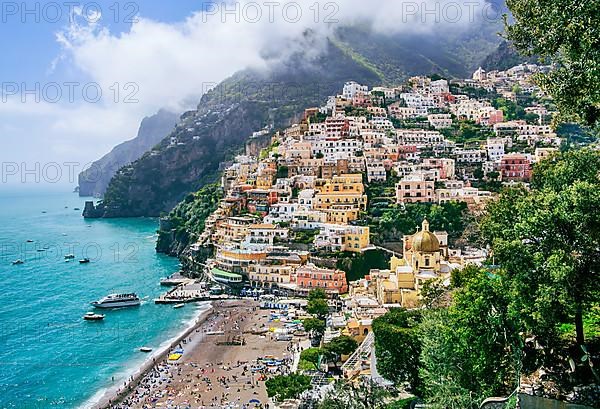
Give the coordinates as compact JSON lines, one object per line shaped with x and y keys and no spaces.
{"x":225,"y":359}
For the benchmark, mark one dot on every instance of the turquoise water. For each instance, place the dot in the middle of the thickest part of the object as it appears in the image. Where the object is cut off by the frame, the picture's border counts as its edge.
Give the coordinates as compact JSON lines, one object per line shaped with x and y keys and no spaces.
{"x":50,"y":357}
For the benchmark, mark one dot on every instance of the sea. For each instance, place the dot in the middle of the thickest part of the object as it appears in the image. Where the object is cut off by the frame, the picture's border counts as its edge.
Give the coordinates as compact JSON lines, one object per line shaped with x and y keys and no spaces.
{"x":49,"y":356}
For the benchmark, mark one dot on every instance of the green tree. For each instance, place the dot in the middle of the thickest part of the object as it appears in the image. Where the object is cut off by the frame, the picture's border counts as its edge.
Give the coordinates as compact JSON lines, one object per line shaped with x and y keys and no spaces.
{"x":317,"y":303}
{"x":397,"y":346}
{"x":363,"y":396}
{"x":548,"y":242}
{"x":287,"y":387}
{"x":315,"y":326}
{"x":565,"y":31}
{"x":313,"y":356}
{"x":343,"y":345}
{"x":472,"y":349}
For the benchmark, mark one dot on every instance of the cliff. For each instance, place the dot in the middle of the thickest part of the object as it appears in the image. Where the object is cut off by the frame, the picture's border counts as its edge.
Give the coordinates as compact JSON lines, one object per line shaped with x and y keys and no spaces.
{"x":94,"y":180}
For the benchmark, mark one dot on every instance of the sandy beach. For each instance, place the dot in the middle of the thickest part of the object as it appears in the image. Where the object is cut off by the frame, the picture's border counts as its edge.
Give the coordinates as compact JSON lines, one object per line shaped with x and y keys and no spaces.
{"x":222,"y":364}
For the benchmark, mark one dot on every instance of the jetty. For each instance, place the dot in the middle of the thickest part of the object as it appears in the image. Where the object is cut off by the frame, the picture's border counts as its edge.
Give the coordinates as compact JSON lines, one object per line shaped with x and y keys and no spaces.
{"x":189,"y":291}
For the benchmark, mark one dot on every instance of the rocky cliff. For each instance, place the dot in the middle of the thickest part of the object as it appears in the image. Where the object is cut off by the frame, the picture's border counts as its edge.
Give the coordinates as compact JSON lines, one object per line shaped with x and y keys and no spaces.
{"x":94,"y":180}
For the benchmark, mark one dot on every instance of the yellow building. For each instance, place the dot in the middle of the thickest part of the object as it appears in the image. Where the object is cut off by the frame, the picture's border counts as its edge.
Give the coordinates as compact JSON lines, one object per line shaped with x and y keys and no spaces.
{"x":342,"y":214}
{"x":356,"y":239}
{"x":345,"y":190}
{"x":425,"y":258}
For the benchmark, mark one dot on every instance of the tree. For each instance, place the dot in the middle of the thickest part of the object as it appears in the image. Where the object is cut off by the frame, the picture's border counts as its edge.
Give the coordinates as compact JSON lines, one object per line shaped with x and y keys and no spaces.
{"x":313,"y":356}
{"x":315,"y":326}
{"x":397,"y":346}
{"x":548,"y":242}
{"x":317,"y":303}
{"x":472,"y":349}
{"x":364,"y":396}
{"x":343,"y":345}
{"x":287,"y":387}
{"x":432,"y":293}
{"x":564,"y":31}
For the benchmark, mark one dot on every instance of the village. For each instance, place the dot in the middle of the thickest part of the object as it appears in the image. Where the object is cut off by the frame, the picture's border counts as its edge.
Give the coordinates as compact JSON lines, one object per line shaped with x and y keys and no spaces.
{"x":305,"y":194}
{"x":298,"y":200}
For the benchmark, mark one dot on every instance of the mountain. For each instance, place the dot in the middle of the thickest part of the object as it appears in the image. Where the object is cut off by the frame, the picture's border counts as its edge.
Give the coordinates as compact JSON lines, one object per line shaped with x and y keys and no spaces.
{"x":252,"y":100}
{"x":94,"y":180}
{"x":504,"y":57}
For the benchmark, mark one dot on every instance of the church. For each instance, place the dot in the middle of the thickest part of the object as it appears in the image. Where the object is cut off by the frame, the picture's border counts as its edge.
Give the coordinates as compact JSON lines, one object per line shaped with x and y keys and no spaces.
{"x":425,"y":257}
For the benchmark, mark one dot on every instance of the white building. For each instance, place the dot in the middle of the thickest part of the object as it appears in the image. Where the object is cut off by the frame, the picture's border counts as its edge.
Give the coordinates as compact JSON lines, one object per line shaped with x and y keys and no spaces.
{"x":352,"y":88}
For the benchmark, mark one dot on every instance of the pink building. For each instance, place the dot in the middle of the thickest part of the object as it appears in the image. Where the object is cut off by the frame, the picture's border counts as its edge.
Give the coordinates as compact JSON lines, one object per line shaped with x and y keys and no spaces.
{"x":515,"y":167}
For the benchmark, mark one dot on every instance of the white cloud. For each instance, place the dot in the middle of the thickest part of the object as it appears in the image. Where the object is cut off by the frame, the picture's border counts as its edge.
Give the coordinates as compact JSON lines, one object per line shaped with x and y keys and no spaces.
{"x":172,"y":64}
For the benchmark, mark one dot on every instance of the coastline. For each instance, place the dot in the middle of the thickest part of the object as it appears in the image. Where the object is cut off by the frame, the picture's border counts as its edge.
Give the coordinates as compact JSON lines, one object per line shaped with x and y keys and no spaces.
{"x":116,"y":393}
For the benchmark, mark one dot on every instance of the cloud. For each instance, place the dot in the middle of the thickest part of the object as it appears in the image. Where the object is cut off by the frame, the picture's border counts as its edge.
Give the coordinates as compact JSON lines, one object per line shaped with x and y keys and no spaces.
{"x":158,"y":65}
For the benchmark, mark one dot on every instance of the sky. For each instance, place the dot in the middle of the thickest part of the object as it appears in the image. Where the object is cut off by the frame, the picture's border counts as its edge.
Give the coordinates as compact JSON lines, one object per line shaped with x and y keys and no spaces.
{"x":78,"y":77}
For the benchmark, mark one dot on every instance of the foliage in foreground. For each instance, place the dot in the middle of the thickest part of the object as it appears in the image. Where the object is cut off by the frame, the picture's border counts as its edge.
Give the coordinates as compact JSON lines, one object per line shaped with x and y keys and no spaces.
{"x":565,"y":31}
{"x":284,"y":387}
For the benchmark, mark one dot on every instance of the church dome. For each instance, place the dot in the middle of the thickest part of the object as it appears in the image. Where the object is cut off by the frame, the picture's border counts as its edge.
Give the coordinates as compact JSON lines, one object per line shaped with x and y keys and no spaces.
{"x":425,"y":241}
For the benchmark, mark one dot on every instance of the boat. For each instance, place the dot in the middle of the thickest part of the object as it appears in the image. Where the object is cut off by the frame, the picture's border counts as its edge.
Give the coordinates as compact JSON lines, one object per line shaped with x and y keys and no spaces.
{"x":69,"y":257}
{"x":40,"y":250}
{"x":118,"y":301}
{"x":29,"y":241}
{"x":179,"y":306}
{"x":145,"y":349}
{"x":90,"y":316}
{"x":18,"y":262}
{"x":84,"y":261}
{"x":76,"y":208}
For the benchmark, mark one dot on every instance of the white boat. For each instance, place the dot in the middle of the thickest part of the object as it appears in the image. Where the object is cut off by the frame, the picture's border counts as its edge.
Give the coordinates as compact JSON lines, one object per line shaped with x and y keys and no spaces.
{"x":69,"y":257}
{"x":118,"y":301}
{"x":18,"y":262}
{"x":179,"y":306}
{"x":145,"y":349}
{"x":90,"y":316}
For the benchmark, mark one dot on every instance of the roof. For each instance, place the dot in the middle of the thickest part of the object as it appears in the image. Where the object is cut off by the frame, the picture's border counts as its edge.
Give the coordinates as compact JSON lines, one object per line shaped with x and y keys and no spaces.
{"x":425,"y":241}
{"x":221,"y":273}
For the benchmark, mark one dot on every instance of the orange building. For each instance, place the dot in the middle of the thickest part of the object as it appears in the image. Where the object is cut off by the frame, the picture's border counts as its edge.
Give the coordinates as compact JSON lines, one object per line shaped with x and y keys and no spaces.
{"x":310,"y":276}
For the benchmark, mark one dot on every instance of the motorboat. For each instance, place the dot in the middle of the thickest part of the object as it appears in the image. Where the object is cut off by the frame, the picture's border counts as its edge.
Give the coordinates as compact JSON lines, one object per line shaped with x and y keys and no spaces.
{"x":118,"y":301}
{"x":84,"y":261}
{"x":18,"y":262}
{"x":90,"y":316}
{"x":179,"y":306}
{"x":145,"y":349}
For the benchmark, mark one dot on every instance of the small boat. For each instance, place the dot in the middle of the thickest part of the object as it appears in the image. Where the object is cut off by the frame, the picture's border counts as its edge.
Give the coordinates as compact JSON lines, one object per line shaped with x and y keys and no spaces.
{"x":76,"y":208}
{"x":40,"y":250}
{"x":69,"y":257}
{"x":44,"y":212}
{"x":84,"y":261}
{"x":90,"y":316}
{"x":179,"y":306}
{"x":145,"y":349}
{"x":29,"y":241}
{"x":18,"y":262}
